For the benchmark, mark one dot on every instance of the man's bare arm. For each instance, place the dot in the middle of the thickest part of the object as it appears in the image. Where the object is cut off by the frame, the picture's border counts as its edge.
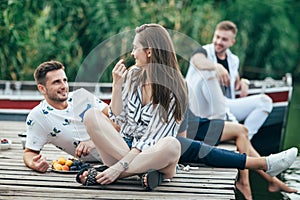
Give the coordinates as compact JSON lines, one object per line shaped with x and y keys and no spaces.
{"x":34,"y":160}
{"x":201,"y":62}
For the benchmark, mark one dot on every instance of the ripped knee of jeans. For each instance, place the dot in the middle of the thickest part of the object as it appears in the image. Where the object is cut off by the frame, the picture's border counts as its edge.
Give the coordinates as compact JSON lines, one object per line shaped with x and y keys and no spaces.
{"x":267,"y":103}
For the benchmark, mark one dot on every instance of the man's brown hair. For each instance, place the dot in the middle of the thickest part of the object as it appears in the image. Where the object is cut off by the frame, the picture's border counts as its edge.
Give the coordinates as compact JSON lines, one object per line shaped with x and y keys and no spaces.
{"x":45,"y":67}
{"x":227,"y":26}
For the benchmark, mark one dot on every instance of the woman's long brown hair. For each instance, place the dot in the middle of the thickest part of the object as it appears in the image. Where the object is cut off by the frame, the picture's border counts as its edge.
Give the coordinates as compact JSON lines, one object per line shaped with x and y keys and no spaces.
{"x":163,"y":70}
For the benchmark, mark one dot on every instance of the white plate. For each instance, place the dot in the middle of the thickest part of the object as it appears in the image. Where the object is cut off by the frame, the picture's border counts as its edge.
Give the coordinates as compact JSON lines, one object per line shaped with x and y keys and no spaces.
{"x":65,"y":172}
{"x":4,"y":146}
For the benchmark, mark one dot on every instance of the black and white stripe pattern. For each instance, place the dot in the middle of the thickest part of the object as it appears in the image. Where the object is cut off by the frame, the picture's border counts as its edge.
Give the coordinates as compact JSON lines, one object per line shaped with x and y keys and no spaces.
{"x":143,"y":123}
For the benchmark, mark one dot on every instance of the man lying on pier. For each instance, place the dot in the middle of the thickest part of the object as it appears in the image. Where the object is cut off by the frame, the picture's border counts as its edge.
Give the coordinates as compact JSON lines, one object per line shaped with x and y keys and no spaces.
{"x":58,"y":118}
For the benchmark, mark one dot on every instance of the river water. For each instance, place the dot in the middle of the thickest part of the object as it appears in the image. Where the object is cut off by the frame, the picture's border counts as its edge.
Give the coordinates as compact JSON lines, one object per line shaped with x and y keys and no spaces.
{"x":292,"y":175}
{"x":260,"y":187}
{"x":292,"y":178}
{"x":292,"y":138}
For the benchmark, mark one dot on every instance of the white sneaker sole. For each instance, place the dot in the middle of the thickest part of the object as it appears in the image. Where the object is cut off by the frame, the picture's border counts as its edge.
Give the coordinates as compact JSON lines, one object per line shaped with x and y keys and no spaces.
{"x":281,"y":161}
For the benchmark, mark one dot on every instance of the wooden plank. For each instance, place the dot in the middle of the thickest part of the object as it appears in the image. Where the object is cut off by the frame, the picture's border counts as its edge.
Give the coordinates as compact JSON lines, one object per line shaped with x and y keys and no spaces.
{"x":99,"y":194}
{"x":20,"y":182}
{"x":61,"y":181}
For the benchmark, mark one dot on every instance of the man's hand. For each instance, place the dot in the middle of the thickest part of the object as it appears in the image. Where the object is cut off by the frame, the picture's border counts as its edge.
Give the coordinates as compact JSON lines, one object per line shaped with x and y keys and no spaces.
{"x":84,"y":148}
{"x":222,"y":74}
{"x":34,"y":160}
{"x":40,"y":163}
{"x":243,"y":86}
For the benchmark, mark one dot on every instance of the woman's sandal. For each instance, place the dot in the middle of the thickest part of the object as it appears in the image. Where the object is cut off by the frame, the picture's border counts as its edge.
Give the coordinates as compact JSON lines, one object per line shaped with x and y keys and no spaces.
{"x":154,"y":179}
{"x":92,"y":173}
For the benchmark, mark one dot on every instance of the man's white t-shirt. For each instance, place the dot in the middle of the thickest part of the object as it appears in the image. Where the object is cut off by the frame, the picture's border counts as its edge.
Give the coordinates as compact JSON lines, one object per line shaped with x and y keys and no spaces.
{"x":62,"y":128}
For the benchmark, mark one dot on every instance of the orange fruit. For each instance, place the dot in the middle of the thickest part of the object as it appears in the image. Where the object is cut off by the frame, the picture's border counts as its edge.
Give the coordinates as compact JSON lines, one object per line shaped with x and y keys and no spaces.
{"x":61,"y":160}
{"x":69,"y":163}
{"x":65,"y":168}
{"x":53,"y":162}
{"x":57,"y":166}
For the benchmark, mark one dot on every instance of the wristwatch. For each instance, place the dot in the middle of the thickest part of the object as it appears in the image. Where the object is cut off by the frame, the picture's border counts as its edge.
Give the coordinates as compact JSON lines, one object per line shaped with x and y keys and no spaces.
{"x":124,"y":164}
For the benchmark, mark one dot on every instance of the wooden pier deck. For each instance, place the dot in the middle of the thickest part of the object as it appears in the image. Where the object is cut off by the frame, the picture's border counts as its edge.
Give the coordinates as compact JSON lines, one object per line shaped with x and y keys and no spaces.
{"x":19,"y":182}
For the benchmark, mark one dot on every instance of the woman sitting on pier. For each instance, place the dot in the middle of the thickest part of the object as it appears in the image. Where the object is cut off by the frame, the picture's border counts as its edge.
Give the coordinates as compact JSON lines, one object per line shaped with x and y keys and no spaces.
{"x":149,"y":110}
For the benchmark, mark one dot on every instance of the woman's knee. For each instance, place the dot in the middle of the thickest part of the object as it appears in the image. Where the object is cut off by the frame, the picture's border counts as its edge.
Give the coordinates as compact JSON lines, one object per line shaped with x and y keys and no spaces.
{"x":172,"y":147}
{"x":243,"y":131}
{"x":235,"y":129}
{"x":88,"y":116}
{"x":91,"y":117}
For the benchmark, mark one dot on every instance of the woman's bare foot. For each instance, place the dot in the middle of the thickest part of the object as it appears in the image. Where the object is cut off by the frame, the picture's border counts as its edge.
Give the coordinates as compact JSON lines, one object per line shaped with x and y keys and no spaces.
{"x":277,"y":185}
{"x":245,"y":189}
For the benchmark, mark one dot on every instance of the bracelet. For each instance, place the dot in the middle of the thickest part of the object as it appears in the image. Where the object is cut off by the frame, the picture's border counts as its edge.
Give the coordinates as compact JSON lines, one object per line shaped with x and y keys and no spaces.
{"x":245,"y":81}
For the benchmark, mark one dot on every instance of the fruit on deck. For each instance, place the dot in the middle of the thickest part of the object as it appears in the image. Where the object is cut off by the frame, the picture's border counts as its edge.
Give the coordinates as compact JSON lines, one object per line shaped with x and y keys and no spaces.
{"x":70,"y":164}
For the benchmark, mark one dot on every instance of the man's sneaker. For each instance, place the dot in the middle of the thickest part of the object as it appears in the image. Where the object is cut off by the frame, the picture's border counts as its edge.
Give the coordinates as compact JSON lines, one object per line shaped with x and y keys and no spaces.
{"x":281,"y":161}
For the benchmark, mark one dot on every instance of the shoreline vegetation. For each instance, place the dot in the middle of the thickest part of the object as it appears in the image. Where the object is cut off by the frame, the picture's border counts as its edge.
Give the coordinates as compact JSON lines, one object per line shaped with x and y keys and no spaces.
{"x":36,"y":31}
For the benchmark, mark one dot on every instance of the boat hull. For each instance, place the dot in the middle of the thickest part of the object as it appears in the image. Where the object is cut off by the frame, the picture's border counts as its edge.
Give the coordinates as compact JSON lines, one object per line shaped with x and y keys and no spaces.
{"x":269,"y":138}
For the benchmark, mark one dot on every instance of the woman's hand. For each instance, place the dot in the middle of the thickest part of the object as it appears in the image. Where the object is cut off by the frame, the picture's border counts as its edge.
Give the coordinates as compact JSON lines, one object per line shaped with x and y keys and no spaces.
{"x":113,"y":173}
{"x":110,"y":175}
{"x":118,"y":73}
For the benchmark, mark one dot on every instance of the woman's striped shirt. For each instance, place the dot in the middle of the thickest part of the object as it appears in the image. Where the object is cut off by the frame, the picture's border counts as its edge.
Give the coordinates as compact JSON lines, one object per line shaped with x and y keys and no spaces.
{"x":143,"y":124}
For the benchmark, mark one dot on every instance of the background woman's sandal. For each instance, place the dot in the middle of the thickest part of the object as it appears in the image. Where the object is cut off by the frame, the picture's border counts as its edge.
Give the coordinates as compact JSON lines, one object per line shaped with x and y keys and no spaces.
{"x":154,"y":179}
{"x":91,"y":177}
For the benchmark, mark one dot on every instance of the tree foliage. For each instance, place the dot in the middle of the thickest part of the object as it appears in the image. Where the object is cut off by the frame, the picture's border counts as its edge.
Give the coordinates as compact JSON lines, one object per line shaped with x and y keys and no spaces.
{"x":33,"y":31}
